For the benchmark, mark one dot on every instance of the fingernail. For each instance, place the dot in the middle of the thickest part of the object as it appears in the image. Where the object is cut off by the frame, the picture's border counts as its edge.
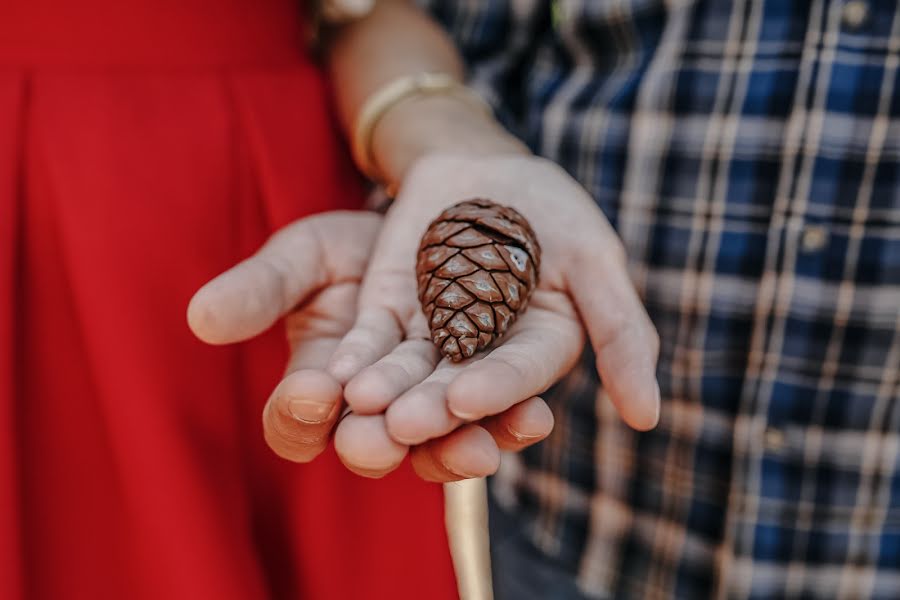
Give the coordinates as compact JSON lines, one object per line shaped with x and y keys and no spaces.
{"x":343,"y":368}
{"x":460,"y":472}
{"x":658,"y":405}
{"x":467,"y":417}
{"x":308,"y":411}
{"x":523,"y":437}
{"x":359,"y":7}
{"x":465,"y":473}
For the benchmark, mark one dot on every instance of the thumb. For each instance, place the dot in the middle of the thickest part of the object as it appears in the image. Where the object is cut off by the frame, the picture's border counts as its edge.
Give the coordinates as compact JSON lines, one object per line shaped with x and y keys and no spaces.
{"x":296,"y":262}
{"x":625,"y":342}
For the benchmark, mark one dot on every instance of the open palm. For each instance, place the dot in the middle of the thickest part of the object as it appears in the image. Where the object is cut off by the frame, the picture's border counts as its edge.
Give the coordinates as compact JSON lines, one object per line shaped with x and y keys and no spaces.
{"x":310,"y":273}
{"x":399,"y":389}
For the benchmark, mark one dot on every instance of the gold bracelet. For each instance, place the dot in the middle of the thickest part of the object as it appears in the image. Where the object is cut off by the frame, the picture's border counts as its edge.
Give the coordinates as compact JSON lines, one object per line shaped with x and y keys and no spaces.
{"x":392,"y":94}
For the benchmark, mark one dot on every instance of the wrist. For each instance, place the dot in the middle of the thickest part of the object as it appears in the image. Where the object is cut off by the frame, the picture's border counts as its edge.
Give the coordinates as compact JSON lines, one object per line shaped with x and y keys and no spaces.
{"x":436,"y":124}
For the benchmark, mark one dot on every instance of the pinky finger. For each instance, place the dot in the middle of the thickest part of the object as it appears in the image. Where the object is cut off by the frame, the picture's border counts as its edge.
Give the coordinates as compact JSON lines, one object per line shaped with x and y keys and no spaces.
{"x":466,"y":453}
{"x":523,"y":425}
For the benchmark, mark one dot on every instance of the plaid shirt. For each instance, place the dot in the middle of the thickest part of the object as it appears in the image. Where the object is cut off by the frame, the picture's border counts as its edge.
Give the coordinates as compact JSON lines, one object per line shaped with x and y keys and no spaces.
{"x":748,"y":153}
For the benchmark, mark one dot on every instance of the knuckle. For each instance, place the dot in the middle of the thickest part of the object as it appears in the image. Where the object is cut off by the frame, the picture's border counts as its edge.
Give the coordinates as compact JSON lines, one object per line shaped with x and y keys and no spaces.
{"x":615,"y":250}
{"x":278,"y":272}
{"x":645,"y":335}
{"x":619,"y":327}
{"x":628,"y":338}
{"x":608,"y":250}
{"x":593,"y":255}
{"x":526,"y":366}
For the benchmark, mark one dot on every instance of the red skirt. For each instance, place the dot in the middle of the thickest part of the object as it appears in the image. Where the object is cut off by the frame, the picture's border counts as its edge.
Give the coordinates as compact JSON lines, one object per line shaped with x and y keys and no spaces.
{"x":145,"y":146}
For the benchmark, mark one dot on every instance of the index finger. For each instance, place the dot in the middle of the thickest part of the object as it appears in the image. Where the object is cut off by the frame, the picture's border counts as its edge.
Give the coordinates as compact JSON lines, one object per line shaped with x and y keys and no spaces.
{"x":625,"y":342}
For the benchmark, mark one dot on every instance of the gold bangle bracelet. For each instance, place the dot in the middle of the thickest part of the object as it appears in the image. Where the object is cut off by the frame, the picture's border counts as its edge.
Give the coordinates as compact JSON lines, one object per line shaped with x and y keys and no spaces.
{"x":392,"y":94}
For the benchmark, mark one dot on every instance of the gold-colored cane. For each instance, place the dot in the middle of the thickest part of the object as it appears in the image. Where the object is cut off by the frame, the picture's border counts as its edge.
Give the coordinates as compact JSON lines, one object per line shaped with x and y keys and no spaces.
{"x":466,"y":518}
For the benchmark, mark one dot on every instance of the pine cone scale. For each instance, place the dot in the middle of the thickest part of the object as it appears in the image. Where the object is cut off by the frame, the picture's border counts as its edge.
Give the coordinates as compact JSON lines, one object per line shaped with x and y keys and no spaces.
{"x":456,"y":266}
{"x":487,"y":257}
{"x":483,"y":315}
{"x":468,"y":238}
{"x":442,"y":233}
{"x":430,"y":292}
{"x":454,"y":297}
{"x":481,"y":285}
{"x":436,"y":256}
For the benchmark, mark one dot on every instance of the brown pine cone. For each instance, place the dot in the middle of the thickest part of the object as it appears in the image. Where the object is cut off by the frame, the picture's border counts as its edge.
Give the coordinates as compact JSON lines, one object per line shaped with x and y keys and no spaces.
{"x":477,"y":267}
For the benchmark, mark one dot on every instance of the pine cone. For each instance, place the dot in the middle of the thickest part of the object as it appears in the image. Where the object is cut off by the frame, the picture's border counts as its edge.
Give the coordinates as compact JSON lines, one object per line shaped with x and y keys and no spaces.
{"x":477,"y":267}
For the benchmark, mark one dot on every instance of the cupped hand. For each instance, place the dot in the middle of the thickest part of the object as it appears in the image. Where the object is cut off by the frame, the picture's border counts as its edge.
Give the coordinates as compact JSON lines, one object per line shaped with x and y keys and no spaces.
{"x":310,"y":273}
{"x":402,"y":393}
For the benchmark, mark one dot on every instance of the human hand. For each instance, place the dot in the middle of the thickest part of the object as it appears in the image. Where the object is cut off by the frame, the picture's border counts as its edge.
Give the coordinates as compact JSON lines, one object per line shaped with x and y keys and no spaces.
{"x":388,"y":365}
{"x":309,"y":273}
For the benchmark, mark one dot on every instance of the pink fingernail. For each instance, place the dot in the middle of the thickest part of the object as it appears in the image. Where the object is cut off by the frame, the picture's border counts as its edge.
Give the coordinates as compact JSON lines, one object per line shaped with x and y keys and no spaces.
{"x":467,"y":417}
{"x":459,"y":473}
{"x":308,"y":411}
{"x":523,"y":437}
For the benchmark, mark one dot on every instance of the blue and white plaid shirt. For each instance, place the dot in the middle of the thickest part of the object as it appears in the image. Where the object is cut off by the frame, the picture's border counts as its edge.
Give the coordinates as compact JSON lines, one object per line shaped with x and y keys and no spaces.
{"x":748,"y":153}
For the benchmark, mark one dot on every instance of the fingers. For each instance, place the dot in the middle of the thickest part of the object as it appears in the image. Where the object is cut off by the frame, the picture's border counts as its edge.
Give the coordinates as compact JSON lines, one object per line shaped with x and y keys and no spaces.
{"x":474,"y":450}
{"x":389,"y":310}
{"x":388,"y":314}
{"x":300,"y":414}
{"x":375,"y":387}
{"x":625,"y":342}
{"x":294,"y":263}
{"x":364,"y":446}
{"x":468,"y":452}
{"x":543,"y":346}
{"x":421,"y":413}
{"x":303,"y":409}
{"x":375,"y":333}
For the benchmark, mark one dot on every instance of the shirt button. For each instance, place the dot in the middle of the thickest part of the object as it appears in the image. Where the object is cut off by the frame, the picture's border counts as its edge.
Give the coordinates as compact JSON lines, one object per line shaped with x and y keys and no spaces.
{"x":814,"y":238}
{"x":774,"y":439}
{"x":855,"y":13}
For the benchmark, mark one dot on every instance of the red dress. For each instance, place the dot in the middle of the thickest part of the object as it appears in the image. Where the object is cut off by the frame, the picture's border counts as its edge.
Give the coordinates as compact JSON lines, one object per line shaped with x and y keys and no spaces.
{"x":145,"y":146}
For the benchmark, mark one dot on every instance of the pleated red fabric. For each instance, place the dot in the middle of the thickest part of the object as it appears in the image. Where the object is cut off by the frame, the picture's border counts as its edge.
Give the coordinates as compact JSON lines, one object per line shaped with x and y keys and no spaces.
{"x":145,"y":146}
